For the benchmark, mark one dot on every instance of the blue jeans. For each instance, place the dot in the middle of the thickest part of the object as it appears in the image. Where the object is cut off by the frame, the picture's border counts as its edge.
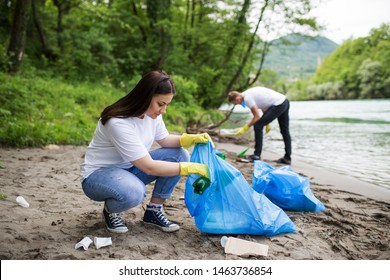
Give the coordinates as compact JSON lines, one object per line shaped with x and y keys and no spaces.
{"x":122,"y":189}
{"x":281,"y":112}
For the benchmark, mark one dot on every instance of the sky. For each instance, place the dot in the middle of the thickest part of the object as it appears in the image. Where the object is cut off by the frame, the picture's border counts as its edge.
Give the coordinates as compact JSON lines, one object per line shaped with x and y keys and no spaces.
{"x":351,"y":18}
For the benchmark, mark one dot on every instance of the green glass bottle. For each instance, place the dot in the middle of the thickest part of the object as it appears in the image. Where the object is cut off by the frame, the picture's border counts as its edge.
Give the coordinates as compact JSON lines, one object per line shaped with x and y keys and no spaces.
{"x":222,"y":156}
{"x":201,"y":184}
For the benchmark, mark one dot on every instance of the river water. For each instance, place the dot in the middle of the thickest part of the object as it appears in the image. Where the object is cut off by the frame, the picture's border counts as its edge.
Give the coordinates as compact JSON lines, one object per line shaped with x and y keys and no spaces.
{"x":350,"y":137}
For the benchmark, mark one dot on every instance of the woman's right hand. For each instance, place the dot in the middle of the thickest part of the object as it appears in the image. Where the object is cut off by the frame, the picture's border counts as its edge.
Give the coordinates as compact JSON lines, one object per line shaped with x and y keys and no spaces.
{"x":187,"y":168}
{"x":189,"y":140}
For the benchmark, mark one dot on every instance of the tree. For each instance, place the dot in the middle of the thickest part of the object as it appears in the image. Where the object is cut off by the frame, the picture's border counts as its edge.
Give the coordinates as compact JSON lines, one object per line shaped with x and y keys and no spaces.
{"x":63,"y":7}
{"x":239,"y":29}
{"x":361,"y":66}
{"x":159,"y":16}
{"x":212,"y":43}
{"x":46,"y":50}
{"x":248,"y":51}
{"x":372,"y":78}
{"x":17,"y":42}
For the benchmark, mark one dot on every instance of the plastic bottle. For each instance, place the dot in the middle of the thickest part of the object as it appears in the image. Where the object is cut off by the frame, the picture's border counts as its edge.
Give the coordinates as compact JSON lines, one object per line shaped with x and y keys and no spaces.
{"x":201,"y":184}
{"x":222,"y":156}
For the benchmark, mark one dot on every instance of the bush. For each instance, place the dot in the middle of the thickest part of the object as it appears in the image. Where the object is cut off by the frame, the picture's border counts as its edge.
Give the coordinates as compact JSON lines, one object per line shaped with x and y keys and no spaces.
{"x":36,"y":111}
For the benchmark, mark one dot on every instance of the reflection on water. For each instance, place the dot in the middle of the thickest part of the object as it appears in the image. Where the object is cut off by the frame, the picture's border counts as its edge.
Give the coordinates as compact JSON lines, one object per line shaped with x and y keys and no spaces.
{"x":350,"y":136}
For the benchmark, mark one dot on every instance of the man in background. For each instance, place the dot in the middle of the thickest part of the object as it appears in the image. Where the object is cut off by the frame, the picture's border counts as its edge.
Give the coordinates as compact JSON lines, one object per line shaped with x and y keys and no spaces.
{"x":273,"y":105}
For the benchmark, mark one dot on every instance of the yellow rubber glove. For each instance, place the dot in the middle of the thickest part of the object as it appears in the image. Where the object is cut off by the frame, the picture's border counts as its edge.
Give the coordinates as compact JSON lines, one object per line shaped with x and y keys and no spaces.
{"x":242,"y":130}
{"x":187,"y":168}
{"x":267,"y":128}
{"x":189,"y":140}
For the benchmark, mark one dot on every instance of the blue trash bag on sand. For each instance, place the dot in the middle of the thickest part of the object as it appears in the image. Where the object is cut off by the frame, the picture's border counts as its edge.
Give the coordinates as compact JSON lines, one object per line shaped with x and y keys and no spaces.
{"x":229,"y":205}
{"x":287,"y":189}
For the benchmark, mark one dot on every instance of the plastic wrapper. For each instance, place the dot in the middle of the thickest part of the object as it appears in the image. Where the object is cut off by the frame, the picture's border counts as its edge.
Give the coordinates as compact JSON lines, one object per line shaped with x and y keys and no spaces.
{"x":229,"y":205}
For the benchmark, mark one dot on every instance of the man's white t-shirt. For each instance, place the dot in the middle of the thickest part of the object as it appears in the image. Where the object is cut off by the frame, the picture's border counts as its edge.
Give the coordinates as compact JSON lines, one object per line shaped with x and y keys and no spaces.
{"x":262,"y":97}
{"x":120,"y":141}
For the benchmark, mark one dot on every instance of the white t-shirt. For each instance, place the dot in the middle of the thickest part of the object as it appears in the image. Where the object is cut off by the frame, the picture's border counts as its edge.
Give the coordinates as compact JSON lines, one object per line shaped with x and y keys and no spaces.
{"x":120,"y":141}
{"x":262,"y":97}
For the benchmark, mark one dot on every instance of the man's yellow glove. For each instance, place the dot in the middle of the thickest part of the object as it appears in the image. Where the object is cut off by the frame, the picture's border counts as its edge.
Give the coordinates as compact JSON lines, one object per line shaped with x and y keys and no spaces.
{"x":187,"y":168}
{"x":267,"y":128}
{"x":242,"y":130}
{"x":189,"y":140}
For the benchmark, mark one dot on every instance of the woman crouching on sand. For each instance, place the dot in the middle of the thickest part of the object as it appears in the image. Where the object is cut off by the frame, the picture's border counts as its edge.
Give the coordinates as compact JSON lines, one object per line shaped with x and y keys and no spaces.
{"x":119,"y":162}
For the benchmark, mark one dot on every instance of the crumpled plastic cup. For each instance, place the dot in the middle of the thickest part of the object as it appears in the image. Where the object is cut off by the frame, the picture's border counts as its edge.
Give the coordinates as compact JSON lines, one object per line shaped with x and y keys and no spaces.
{"x":102,"y":242}
{"x":22,"y":202}
{"x":224,"y":240}
{"x":85,"y":242}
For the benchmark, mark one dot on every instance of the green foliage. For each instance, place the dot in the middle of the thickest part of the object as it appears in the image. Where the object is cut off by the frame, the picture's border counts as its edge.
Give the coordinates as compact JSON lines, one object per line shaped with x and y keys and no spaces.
{"x":3,"y":59}
{"x":298,"y":91}
{"x":268,"y":78}
{"x":37,"y":112}
{"x":110,"y":41}
{"x":89,"y":53}
{"x":372,"y":78}
{"x":357,"y":69}
{"x":185,"y":91}
{"x":326,"y":91}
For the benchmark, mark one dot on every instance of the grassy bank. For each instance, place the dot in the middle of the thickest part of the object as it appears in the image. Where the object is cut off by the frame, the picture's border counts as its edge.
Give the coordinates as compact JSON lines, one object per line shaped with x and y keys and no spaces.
{"x":36,"y":111}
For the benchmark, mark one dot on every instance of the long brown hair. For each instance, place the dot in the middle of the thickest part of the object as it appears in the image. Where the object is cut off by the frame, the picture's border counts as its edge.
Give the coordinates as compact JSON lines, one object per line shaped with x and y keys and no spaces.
{"x":137,"y":101}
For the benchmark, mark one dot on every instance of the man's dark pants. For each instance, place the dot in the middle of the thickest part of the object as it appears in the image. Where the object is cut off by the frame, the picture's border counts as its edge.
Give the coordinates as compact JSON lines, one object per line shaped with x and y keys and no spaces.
{"x":281,"y":112}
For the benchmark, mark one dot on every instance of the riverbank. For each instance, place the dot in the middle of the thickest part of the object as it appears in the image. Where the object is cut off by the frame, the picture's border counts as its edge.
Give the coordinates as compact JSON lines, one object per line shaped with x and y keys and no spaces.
{"x":349,"y":137}
{"x":321,"y":176}
{"x":354,"y":225}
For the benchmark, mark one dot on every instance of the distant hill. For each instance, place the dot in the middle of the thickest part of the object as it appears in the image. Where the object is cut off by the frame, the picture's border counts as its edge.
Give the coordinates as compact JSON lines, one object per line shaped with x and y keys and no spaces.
{"x":296,"y":56}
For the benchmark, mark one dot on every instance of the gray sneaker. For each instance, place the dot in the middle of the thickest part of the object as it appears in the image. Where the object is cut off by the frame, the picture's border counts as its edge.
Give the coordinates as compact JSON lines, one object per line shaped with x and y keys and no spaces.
{"x":114,"y":222}
{"x":154,"y":216}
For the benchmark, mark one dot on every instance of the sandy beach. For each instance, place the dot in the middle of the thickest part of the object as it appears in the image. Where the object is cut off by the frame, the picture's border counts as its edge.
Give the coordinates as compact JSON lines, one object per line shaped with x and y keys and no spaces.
{"x":355,"y":224}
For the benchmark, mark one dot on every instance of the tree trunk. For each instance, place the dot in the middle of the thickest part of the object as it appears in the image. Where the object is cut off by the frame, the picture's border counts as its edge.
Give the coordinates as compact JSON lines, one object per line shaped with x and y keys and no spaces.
{"x":237,"y":33}
{"x":235,"y":38}
{"x":141,"y":28}
{"x":164,"y":39}
{"x":193,"y":54}
{"x":60,"y":29}
{"x":158,"y":11}
{"x":264,"y":52}
{"x":17,"y":42}
{"x":193,"y":14}
{"x":248,"y":51}
{"x":47,"y":52}
{"x":187,"y":37}
{"x":61,"y":10}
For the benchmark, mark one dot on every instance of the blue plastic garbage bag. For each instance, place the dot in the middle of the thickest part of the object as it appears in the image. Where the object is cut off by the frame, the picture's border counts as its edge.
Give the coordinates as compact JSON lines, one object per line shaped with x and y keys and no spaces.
{"x":287,"y":189}
{"x":229,"y":205}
